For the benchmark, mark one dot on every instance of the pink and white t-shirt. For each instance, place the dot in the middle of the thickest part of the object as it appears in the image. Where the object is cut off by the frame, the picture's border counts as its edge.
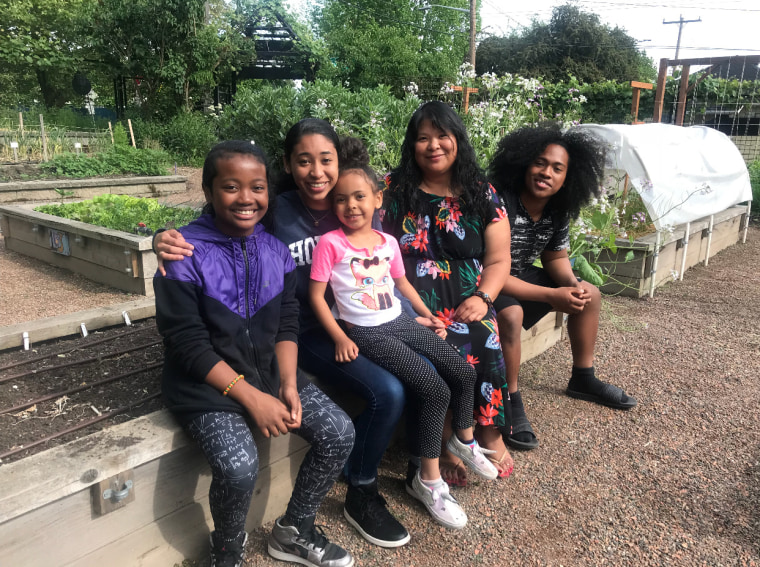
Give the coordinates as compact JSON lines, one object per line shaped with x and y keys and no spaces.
{"x":361,"y":281}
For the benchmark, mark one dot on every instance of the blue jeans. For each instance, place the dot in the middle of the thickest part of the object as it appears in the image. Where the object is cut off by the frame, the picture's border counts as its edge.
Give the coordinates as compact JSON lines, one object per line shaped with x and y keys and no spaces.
{"x":383,"y":392}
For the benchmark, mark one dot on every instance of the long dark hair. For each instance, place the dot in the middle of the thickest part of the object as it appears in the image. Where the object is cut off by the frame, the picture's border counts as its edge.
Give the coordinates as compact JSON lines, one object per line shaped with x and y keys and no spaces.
{"x":305,"y":127}
{"x":585,"y":169}
{"x":466,"y":176}
{"x":226,"y":150}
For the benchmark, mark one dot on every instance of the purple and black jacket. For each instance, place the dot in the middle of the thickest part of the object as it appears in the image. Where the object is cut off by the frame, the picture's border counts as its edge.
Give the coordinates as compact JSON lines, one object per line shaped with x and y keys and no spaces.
{"x":232,"y":300}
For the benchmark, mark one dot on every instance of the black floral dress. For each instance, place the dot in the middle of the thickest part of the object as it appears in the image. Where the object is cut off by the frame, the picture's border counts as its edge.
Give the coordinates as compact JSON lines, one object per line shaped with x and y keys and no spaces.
{"x":442,"y":249}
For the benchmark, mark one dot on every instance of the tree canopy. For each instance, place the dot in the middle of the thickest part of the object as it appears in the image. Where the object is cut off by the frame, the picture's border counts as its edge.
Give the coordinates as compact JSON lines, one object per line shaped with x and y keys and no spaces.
{"x":43,"y":39}
{"x":573,"y":42}
{"x":372,"y":42}
{"x":172,"y":47}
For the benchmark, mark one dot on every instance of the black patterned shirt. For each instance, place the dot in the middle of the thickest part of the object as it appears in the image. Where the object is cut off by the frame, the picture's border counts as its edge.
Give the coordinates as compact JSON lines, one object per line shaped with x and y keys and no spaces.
{"x":531,"y":238}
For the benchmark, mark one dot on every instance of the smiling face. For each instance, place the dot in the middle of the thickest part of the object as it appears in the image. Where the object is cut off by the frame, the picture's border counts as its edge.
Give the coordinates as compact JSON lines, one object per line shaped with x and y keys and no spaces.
{"x":435,"y":150}
{"x":313,"y":163}
{"x":355,"y":202}
{"x":546,"y":175}
{"x":239,"y":194}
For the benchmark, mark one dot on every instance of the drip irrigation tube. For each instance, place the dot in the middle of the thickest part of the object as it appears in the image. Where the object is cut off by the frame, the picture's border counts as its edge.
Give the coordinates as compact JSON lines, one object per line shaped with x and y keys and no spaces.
{"x":67,"y":351}
{"x":77,"y":427}
{"x":78,"y":362}
{"x":80,"y":388}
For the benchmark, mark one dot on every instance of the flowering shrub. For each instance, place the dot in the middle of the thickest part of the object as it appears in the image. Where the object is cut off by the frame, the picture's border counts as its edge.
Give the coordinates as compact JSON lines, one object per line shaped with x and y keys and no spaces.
{"x":502,"y":104}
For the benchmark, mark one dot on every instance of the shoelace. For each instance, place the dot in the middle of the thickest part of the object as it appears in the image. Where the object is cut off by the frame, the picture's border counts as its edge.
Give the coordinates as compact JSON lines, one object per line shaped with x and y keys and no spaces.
{"x":375,"y":506}
{"x":230,"y":550}
{"x":314,"y":537}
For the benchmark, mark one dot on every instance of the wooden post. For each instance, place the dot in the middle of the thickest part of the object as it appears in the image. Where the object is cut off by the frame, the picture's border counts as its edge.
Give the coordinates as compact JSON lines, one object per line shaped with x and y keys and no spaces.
{"x":466,"y":98}
{"x":131,"y":133}
{"x":637,"y":86}
{"x":44,"y":139}
{"x":659,"y":95}
{"x":682,"y":89}
{"x":111,"y":131}
{"x":21,"y":122}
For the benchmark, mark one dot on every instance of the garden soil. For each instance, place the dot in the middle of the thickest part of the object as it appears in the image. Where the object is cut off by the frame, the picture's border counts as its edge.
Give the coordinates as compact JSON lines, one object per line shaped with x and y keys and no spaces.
{"x":675,"y":481}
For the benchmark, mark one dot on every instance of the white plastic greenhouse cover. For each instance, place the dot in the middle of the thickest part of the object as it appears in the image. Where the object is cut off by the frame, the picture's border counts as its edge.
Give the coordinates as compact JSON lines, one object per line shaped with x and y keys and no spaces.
{"x":682,"y":174}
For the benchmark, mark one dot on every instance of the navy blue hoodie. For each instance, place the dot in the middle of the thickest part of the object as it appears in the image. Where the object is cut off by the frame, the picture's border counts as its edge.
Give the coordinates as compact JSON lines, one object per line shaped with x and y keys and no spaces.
{"x":232,"y":300}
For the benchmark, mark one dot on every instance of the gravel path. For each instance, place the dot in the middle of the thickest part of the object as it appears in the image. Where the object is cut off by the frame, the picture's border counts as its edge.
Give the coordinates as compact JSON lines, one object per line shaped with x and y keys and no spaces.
{"x":676,"y":481}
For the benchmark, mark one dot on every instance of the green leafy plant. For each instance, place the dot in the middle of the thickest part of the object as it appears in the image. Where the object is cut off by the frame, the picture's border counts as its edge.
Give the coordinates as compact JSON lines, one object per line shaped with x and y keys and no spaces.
{"x":118,"y":160}
{"x":188,"y":137}
{"x":63,"y":193}
{"x":123,"y":212}
{"x":754,"y":179}
{"x":120,"y":135}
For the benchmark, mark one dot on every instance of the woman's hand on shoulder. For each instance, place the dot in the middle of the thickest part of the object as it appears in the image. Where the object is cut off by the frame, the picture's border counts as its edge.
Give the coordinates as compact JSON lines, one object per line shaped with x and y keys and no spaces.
{"x":470,"y":310}
{"x":171,"y":246}
{"x":346,"y":350}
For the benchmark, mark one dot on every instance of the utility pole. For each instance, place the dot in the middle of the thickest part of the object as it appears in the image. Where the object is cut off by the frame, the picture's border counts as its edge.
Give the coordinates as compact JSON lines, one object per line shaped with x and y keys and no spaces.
{"x":680,"y":23}
{"x":473,"y":13}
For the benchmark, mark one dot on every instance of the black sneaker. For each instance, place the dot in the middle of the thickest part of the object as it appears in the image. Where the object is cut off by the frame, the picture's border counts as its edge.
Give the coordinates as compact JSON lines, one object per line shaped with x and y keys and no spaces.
{"x":227,"y":554}
{"x":411,"y":472}
{"x":307,"y":545}
{"x":367,"y":511}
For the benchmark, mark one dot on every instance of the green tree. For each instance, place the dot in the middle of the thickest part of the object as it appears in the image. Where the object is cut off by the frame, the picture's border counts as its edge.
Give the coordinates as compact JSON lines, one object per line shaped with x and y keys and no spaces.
{"x":573,"y":43}
{"x":44,"y":39}
{"x":373,"y":42}
{"x":176,"y":48}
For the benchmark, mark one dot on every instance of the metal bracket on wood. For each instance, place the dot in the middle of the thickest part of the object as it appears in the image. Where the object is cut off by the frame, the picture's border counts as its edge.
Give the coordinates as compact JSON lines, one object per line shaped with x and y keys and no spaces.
{"x":113,"y":493}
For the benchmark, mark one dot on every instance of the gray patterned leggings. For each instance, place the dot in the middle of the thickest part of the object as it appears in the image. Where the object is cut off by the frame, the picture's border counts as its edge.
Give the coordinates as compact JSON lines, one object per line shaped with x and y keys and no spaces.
{"x":396,"y":346}
{"x":226,"y":441}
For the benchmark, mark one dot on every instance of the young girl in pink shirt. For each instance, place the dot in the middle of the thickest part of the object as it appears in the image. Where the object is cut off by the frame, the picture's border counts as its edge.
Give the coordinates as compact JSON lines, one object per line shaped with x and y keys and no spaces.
{"x":362,"y":265}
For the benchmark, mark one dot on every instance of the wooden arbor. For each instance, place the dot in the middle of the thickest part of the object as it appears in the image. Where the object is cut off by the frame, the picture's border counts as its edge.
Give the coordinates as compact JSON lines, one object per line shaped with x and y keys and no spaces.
{"x":280,"y":53}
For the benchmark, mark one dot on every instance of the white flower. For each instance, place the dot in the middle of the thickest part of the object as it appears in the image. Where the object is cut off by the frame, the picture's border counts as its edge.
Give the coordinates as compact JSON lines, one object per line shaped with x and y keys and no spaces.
{"x":412,"y":88}
{"x":447,"y":88}
{"x":466,"y":71}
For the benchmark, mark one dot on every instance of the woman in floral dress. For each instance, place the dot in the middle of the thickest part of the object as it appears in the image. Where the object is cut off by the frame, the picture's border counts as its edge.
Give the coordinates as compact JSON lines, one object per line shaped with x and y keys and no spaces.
{"x":451,"y":228}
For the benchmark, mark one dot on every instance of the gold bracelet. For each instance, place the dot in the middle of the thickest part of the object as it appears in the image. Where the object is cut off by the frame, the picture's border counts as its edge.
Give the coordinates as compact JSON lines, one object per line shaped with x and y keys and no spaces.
{"x":235,"y":381}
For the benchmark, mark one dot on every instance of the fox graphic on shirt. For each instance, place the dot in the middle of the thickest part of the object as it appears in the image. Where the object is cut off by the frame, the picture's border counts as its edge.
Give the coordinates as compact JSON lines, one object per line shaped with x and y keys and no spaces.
{"x":373,"y":276}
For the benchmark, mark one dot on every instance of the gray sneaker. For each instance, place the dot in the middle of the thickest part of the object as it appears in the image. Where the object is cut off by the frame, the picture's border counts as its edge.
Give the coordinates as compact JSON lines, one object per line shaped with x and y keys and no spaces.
{"x":307,"y":545}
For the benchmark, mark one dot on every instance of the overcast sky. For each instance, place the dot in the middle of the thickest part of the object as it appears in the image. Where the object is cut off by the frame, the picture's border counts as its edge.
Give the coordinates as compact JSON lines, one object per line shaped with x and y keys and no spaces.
{"x":728,"y":27}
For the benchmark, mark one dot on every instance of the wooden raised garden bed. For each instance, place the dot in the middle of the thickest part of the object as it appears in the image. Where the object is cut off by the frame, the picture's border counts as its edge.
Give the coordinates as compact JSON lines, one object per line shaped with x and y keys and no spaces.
{"x":79,"y":189}
{"x":634,"y":278}
{"x":112,"y":257}
{"x":52,"y":505}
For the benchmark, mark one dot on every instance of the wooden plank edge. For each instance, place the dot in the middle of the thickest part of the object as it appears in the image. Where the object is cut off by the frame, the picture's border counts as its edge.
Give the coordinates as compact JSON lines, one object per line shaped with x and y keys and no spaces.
{"x":11,"y":336}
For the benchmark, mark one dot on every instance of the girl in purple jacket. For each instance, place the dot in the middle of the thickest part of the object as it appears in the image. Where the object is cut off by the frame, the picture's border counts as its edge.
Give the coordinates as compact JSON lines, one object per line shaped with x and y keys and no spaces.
{"x":229,"y":318}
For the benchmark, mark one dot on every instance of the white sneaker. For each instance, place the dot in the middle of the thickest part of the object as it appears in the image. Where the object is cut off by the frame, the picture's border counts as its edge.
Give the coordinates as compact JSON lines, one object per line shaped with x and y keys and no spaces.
{"x":441,"y":505}
{"x":475,"y":457}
